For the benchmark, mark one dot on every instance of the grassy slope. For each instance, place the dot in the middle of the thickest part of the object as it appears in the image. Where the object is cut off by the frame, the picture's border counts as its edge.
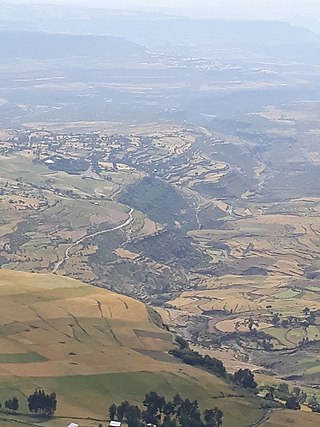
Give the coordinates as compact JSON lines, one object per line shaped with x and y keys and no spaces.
{"x":89,"y":344}
{"x":293,"y":419}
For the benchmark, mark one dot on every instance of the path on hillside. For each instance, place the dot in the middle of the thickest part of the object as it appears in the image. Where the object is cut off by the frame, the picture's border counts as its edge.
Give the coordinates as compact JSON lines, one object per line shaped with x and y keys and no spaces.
{"x":89,"y":236}
{"x":264,"y":418}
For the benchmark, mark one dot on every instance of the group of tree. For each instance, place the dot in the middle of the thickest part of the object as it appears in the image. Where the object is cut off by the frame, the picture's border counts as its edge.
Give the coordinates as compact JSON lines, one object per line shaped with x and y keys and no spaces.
{"x":310,"y":318}
{"x":251,"y":324}
{"x":244,"y":378}
{"x":12,"y":404}
{"x":314,"y":404}
{"x":293,"y":398}
{"x":39,"y":403}
{"x":161,"y":413}
{"x":194,"y":358}
{"x":43,"y":404}
{"x":125,"y":411}
{"x":265,"y":343}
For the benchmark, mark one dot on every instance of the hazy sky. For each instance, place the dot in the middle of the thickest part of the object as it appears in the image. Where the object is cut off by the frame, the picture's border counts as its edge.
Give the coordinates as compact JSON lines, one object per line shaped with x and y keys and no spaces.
{"x":250,"y":8}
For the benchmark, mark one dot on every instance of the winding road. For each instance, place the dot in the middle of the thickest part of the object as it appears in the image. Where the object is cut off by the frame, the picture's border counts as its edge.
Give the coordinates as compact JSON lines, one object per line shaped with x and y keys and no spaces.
{"x":89,"y":236}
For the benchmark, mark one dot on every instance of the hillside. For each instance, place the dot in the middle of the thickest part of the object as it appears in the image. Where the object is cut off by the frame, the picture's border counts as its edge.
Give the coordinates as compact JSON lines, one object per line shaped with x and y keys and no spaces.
{"x":38,"y":45}
{"x":94,"y":347}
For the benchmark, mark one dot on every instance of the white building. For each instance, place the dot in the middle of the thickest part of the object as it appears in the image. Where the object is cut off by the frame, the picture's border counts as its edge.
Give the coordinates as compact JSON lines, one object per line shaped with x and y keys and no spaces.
{"x":115,"y":424}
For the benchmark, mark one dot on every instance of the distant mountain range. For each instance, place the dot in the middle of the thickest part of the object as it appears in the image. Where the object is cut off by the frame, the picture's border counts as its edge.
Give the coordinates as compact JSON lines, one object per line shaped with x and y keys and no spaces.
{"x":89,"y":28}
{"x":40,"y":45}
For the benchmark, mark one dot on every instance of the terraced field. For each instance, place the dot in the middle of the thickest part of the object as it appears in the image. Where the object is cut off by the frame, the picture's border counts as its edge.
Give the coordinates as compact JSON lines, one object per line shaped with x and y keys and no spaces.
{"x":253,"y":300}
{"x":219,"y":231}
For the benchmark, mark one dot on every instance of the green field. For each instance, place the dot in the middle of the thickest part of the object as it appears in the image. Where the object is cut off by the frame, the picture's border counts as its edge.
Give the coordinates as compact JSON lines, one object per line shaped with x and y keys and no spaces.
{"x":21,"y":358}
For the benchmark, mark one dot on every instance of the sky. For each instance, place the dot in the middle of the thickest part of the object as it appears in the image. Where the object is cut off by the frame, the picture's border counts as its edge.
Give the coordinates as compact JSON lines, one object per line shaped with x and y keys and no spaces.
{"x":224,"y":8}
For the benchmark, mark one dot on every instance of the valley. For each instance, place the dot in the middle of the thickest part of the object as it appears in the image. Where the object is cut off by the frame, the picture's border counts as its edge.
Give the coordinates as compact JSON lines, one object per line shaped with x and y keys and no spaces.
{"x":159,"y":209}
{"x":165,"y":214}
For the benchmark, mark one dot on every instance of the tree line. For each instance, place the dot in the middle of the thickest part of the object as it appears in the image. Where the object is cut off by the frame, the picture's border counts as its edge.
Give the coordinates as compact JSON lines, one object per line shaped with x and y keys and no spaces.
{"x":161,"y":413}
{"x":194,"y":358}
{"x":243,"y":377}
{"x":39,"y":403}
{"x":294,"y":398}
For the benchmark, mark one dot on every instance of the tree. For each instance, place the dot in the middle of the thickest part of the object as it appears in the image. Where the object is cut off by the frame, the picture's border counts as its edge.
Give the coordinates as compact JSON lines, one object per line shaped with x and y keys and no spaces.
{"x":275,"y":319}
{"x":121,"y":410}
{"x":267,"y":344}
{"x":314,"y":404}
{"x":292,"y":403}
{"x":168,"y":422}
{"x":299,"y":394}
{"x":169,"y":408}
{"x":133,"y":416}
{"x":181,"y":342}
{"x":306,"y":311}
{"x":112,"y":411}
{"x":15,"y":403}
{"x":189,"y":415}
{"x":52,"y":403}
{"x":270,"y":393}
{"x":283,"y":391}
{"x":12,"y":404}
{"x":311,"y":319}
{"x":154,"y":406}
{"x":245,"y":378}
{"x":251,"y":323}
{"x":177,"y":401}
{"x":213,"y":417}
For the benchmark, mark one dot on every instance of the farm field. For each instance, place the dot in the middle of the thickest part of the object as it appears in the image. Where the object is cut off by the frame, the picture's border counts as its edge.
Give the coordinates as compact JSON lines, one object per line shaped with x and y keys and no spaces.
{"x":256,"y":301}
{"x":81,"y":222}
{"x":93,"y":347}
{"x":185,"y":219}
{"x":286,"y":418}
{"x":173,"y":160}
